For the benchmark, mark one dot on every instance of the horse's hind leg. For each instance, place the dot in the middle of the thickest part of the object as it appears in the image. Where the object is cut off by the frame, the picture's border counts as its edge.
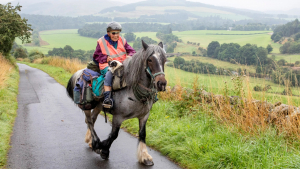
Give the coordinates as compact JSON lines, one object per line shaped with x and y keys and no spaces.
{"x":142,"y":152}
{"x":96,"y":144}
{"x":94,"y":115}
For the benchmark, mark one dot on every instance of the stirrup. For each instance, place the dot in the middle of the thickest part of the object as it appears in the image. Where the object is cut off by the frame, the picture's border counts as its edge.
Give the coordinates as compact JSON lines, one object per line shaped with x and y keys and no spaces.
{"x":108,"y":103}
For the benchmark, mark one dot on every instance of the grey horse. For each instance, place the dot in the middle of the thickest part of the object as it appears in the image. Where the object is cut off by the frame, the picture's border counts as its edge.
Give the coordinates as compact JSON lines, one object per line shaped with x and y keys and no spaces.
{"x":151,"y":59}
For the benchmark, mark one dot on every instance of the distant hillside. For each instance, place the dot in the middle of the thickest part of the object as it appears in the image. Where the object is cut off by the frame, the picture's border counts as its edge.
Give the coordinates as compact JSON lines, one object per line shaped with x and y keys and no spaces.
{"x":195,"y":9}
{"x":64,"y":7}
{"x":295,"y":11}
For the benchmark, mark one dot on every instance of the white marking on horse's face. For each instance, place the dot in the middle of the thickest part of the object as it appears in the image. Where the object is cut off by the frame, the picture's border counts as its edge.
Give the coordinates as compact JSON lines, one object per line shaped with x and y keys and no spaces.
{"x":157,"y":55}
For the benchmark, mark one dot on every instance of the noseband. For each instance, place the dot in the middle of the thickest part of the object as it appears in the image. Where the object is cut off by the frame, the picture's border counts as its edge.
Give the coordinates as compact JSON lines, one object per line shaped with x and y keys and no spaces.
{"x":153,"y":75}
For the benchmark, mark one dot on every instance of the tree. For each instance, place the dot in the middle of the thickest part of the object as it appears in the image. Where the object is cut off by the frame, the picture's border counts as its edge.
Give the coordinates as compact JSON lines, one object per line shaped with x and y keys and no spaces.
{"x":138,"y":42}
{"x":179,"y":61}
{"x":130,"y":37}
{"x":277,"y":38}
{"x":297,"y":36}
{"x":211,"y":48}
{"x":12,"y":26}
{"x":269,"y":48}
{"x":285,"y":48}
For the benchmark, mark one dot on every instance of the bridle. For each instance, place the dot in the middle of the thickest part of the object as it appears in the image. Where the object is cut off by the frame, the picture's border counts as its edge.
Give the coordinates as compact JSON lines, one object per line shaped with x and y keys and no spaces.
{"x":143,"y":93}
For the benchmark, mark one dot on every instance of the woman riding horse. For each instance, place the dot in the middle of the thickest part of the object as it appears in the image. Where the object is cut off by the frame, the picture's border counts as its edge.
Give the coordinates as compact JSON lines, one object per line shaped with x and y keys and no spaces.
{"x":111,"y":47}
{"x":144,"y":76}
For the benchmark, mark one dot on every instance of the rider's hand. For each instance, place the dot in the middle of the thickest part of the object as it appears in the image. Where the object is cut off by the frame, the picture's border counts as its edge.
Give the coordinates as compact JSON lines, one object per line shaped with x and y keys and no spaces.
{"x":109,"y":59}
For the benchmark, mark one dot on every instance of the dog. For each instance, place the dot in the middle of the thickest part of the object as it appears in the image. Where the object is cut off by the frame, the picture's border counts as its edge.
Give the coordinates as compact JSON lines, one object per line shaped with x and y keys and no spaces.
{"x":114,"y":65}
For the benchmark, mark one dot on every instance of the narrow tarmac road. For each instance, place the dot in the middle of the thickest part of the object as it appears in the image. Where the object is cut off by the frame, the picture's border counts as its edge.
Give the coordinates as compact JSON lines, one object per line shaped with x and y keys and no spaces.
{"x":49,"y":131}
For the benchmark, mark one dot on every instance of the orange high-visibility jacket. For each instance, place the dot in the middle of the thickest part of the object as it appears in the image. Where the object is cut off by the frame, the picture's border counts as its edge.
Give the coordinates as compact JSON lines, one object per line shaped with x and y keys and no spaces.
{"x":107,"y":49}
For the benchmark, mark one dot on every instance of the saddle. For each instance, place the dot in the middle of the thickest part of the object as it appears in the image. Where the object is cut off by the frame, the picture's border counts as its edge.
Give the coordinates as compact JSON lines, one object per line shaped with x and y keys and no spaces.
{"x":90,"y":86}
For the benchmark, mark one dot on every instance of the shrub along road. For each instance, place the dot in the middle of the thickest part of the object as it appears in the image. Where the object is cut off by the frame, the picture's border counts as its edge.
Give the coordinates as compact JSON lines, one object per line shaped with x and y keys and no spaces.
{"x":49,"y":131}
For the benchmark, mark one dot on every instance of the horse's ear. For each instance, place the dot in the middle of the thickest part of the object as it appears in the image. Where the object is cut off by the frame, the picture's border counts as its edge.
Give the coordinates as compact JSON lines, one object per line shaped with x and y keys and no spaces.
{"x":161,"y":45}
{"x":145,"y":46}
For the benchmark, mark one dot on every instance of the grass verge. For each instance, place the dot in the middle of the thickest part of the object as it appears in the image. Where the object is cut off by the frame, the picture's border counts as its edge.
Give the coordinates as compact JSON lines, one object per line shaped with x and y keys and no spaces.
{"x":8,"y":106}
{"x":196,"y":139}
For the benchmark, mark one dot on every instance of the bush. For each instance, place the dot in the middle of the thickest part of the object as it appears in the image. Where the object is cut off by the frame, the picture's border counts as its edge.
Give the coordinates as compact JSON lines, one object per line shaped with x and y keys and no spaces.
{"x":281,"y":62}
{"x":273,"y":57}
{"x":26,"y":60}
{"x":232,"y":61}
{"x":297,"y":63}
{"x":46,"y":60}
{"x":269,"y":48}
{"x":35,"y":54}
{"x":20,"y":53}
{"x":287,"y":91}
{"x":257,"y":88}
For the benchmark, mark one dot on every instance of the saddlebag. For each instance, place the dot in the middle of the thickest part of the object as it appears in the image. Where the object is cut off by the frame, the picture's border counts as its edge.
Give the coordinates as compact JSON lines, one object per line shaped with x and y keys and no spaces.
{"x":118,"y":79}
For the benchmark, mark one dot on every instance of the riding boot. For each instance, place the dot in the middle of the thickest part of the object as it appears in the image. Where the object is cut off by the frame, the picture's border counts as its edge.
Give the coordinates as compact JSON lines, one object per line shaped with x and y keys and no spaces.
{"x":108,"y":102}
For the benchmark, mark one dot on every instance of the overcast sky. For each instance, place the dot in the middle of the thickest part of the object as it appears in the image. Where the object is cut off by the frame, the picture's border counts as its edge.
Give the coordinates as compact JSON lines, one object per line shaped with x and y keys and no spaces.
{"x":260,"y":5}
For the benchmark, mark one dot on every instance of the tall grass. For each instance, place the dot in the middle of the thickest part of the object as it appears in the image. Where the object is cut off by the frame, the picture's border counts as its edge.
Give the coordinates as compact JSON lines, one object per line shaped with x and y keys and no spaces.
{"x":9,"y":78}
{"x":241,"y":111}
{"x":70,"y":65}
{"x":5,"y":68}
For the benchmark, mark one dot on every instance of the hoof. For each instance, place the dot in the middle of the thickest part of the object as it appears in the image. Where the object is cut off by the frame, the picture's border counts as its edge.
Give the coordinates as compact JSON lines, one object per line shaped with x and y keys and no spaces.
{"x":98,"y":151}
{"x":148,"y":163}
{"x":104,"y":154}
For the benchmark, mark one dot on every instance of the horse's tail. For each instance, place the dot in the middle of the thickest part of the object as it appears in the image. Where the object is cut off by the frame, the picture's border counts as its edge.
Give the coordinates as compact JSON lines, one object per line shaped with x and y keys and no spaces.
{"x":72,"y":83}
{"x":70,"y":87}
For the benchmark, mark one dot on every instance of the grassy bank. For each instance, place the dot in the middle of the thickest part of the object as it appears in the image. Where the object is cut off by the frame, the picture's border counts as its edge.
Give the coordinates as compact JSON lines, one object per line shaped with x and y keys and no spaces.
{"x":193,"y":137}
{"x":9,"y":81}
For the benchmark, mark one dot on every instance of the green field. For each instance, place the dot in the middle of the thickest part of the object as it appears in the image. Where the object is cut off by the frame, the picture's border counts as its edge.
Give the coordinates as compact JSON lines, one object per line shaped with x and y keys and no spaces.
{"x":61,"y":38}
{"x":184,"y":48}
{"x":204,"y":37}
{"x":288,"y":58}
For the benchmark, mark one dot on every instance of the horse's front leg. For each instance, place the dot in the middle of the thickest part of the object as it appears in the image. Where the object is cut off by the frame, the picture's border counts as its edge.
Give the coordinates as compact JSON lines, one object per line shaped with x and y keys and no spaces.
{"x":116,"y":124}
{"x":96,"y":143}
{"x":142,"y":152}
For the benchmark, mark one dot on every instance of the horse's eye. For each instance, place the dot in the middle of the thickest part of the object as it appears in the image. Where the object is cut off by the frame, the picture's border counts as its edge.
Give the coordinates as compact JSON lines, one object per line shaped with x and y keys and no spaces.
{"x":149,"y":60}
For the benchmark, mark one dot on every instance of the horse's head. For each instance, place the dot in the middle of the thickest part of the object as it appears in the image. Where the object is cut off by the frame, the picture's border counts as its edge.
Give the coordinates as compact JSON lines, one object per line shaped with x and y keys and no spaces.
{"x":155,"y":62}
